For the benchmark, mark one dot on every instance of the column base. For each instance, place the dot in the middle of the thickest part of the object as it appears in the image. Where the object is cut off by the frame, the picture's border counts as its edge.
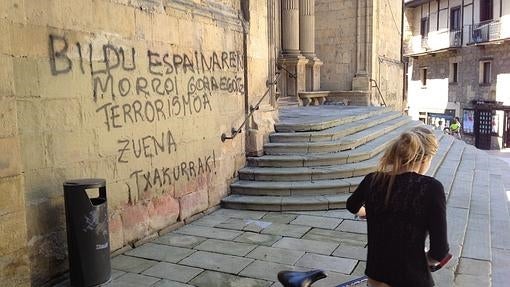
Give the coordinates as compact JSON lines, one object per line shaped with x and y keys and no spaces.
{"x":361,"y":82}
{"x":291,"y":85}
{"x":313,"y":74}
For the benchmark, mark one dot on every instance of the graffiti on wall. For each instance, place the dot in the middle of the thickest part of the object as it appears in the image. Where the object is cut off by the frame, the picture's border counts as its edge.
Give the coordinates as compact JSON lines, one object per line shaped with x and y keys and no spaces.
{"x":131,"y":87}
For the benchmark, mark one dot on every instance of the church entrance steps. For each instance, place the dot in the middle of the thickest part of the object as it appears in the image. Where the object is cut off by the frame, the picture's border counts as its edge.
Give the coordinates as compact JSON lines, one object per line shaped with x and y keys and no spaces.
{"x":361,"y":153}
{"x":335,"y":132}
{"x":348,"y":142}
{"x":319,"y":118}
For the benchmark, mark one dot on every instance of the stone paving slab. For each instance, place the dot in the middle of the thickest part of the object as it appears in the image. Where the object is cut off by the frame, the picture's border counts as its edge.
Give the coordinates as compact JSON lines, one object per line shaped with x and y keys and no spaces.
{"x":268,"y":270}
{"x":317,"y":221}
{"x":283,"y":218}
{"x":354,"y":252}
{"x":217,"y":279}
{"x":173,"y":272}
{"x":180,"y":240}
{"x":208,"y":232}
{"x":217,"y":262}
{"x":306,"y":245}
{"x":131,"y":264}
{"x":329,"y":263}
{"x":226,"y":247}
{"x":260,"y":239}
{"x":160,"y":252}
{"x":354,"y":226}
{"x":277,"y":255}
{"x":168,"y":283}
{"x":339,"y":237}
{"x":286,"y":230}
{"x":133,"y":280}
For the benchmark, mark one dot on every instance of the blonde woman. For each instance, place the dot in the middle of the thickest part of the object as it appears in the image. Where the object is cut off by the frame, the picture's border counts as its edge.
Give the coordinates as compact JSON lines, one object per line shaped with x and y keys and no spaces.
{"x":402,"y":205}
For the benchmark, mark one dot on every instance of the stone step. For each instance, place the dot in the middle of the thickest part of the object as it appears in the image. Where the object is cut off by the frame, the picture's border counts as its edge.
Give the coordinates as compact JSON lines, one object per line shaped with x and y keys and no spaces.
{"x":345,"y":143}
{"x":338,"y":171}
{"x":320,"y":187}
{"x":284,"y":203}
{"x":361,"y":153}
{"x":336,"y":132}
{"x":293,"y":188}
{"x":319,"y":118}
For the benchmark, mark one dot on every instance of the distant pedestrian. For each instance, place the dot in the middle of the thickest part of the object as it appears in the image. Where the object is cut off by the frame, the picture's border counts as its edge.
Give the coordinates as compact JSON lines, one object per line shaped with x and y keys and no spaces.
{"x":455,"y":128}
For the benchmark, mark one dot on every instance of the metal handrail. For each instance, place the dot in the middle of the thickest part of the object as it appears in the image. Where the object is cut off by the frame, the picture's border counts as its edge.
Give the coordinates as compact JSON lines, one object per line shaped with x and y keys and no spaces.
{"x":380,"y":94}
{"x":235,"y":131}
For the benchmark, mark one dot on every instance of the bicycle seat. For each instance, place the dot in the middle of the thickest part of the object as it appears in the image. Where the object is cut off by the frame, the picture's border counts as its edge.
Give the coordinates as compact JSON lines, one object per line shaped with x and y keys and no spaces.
{"x":300,"y":279}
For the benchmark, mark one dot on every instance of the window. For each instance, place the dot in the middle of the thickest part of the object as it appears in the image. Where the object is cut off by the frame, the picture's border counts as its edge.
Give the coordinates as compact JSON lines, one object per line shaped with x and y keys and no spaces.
{"x":455,"y":20}
{"x":485,"y":72}
{"x":486,"y":10}
{"x":454,"y":73}
{"x":423,"y":77}
{"x":424,"y":27}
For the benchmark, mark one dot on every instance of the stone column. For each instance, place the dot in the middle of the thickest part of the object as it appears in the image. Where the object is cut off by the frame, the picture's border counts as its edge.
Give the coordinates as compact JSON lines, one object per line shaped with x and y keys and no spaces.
{"x":361,"y":81}
{"x":307,"y":43}
{"x":290,"y":27}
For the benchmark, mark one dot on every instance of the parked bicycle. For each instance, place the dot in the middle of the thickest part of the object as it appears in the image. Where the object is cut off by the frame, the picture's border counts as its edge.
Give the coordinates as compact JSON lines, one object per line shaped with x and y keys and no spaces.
{"x":306,"y":279}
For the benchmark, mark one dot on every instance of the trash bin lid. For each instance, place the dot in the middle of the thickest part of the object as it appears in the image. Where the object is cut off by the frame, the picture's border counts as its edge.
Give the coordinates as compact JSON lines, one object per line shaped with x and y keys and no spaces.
{"x":86,"y":183}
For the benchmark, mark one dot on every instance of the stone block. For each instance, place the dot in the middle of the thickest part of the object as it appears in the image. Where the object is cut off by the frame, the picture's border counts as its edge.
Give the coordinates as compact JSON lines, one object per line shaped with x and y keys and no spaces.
{"x":135,"y":222}
{"x":10,"y":163}
{"x":163,"y":211}
{"x":114,"y":18}
{"x":12,"y":192}
{"x":160,"y":252}
{"x":26,"y":77}
{"x":6,"y":76}
{"x":32,"y":151}
{"x":13,"y":233}
{"x":217,"y":262}
{"x":217,"y":279}
{"x":193,"y":203}
{"x":166,"y":29}
{"x":174,"y":272}
{"x":15,"y":269}
{"x":354,"y":252}
{"x":30,"y":40}
{"x":116,"y":231}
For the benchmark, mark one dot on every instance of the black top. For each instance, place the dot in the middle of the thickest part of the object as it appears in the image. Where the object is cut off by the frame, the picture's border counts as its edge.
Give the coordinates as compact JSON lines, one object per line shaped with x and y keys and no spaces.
{"x":396,"y":233}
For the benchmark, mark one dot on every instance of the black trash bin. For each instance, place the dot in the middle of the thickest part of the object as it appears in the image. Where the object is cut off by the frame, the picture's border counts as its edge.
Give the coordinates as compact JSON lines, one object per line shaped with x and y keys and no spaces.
{"x":88,"y":239}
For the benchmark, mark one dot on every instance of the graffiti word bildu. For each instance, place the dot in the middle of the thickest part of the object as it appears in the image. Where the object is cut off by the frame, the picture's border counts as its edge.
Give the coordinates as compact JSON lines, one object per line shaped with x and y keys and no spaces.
{"x":165,"y":176}
{"x":114,"y":57}
{"x":147,"y":146}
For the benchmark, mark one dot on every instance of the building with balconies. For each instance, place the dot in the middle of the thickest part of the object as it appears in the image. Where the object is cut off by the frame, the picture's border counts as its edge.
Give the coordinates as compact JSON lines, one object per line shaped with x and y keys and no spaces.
{"x":458,"y":65}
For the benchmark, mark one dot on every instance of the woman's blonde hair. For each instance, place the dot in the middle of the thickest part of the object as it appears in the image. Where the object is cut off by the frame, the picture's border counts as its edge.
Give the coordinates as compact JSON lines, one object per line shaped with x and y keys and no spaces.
{"x":408,"y":151}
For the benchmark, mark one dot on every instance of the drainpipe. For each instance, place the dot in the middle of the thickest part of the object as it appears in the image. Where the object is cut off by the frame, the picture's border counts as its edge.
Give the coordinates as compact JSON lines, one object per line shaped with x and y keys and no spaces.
{"x":402,"y":56}
{"x":245,"y":9}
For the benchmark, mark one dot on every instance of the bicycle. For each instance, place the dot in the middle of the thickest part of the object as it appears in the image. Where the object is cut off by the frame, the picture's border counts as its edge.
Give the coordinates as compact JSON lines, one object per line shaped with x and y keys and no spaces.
{"x":306,"y":279}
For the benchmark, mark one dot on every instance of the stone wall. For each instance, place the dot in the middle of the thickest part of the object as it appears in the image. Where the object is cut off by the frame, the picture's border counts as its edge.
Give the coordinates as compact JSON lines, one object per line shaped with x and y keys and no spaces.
{"x":387,"y":68}
{"x":14,"y":266}
{"x":335,"y":40}
{"x":372,"y":30}
{"x":137,"y":92}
